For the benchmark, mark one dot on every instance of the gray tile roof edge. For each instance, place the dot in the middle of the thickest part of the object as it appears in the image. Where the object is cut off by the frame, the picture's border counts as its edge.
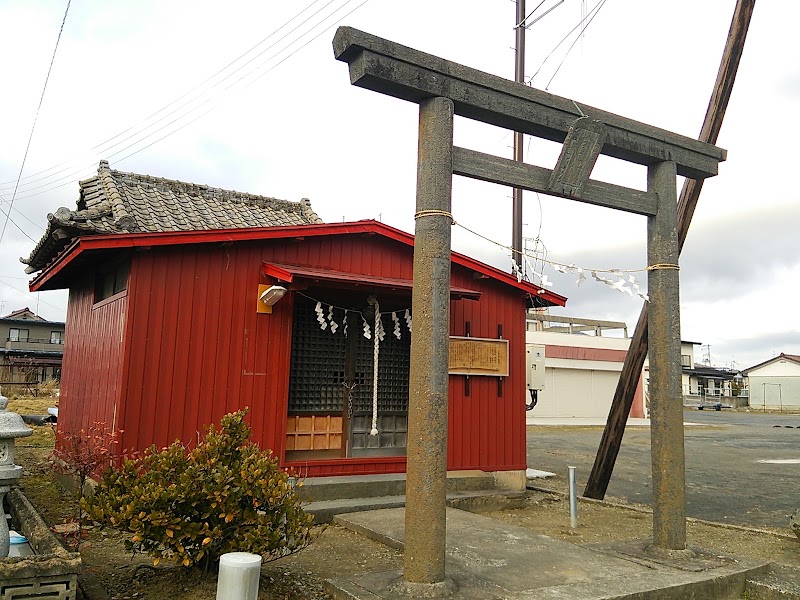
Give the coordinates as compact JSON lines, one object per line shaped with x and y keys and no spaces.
{"x":309,"y":212}
{"x":80,"y":221}
{"x":122,"y":218}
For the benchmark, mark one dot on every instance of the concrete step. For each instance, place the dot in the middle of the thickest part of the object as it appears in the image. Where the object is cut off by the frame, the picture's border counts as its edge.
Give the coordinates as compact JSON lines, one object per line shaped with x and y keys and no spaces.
{"x":488,"y":559}
{"x":472,"y":500}
{"x":781,"y":582}
{"x":318,"y":489}
{"x":325,"y":510}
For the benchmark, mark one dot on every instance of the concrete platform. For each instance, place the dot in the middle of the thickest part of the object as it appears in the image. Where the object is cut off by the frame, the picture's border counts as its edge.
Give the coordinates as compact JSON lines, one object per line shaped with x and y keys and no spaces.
{"x":316,"y":489}
{"x":325,"y":511}
{"x":490,"y":559}
{"x":782,"y":582}
{"x":327,"y":497}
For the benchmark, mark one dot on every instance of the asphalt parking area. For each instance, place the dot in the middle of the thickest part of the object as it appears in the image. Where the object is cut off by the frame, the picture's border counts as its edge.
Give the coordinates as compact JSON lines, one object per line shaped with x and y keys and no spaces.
{"x":741,"y":467}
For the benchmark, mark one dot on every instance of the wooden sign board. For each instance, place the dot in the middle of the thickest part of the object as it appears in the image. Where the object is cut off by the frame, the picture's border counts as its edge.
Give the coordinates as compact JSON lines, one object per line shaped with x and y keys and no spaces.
{"x":478,"y":356}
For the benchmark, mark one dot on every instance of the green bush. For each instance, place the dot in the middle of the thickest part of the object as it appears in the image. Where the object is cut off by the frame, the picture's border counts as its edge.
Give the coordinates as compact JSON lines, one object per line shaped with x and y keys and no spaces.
{"x":193,"y":505}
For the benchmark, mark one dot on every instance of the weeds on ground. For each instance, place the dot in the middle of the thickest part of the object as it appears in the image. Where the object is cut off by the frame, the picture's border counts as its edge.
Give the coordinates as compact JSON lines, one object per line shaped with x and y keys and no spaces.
{"x":82,"y":455}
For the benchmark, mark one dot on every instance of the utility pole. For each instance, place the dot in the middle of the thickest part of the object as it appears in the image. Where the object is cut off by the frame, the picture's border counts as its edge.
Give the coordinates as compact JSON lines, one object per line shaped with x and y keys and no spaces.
{"x":519,"y":77}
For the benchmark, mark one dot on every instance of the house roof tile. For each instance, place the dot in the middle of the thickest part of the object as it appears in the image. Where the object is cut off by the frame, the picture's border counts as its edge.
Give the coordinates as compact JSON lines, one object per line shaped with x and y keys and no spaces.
{"x":114,"y":202}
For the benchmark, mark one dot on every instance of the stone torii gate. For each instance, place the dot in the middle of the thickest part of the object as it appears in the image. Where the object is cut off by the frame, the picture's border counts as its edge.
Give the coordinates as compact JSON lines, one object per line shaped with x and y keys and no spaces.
{"x":444,"y":89}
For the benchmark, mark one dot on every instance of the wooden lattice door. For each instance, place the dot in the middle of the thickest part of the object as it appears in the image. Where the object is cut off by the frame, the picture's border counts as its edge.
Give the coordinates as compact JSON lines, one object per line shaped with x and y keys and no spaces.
{"x":331,"y":387}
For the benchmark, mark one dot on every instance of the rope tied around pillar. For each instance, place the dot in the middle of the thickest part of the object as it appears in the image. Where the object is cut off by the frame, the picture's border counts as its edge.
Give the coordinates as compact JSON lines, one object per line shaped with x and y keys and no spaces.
{"x":661,"y":266}
{"x":434,"y":213}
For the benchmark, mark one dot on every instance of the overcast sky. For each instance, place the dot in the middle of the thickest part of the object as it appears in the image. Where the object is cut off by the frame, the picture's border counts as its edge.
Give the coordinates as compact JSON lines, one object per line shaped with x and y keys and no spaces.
{"x":153,"y":87}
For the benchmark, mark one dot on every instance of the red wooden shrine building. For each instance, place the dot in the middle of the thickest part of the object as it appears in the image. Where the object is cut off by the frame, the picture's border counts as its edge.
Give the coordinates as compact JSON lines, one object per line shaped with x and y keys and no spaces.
{"x":167,"y":331}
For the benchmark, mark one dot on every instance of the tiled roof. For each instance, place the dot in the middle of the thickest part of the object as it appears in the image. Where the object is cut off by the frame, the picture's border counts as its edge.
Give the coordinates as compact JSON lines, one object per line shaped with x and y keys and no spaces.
{"x":23,"y":314}
{"x":116,"y":202}
{"x":712,"y":372}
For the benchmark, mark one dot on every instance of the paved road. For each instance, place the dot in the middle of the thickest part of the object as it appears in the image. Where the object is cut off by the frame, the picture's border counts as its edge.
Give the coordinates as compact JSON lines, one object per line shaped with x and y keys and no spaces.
{"x":725,"y":480}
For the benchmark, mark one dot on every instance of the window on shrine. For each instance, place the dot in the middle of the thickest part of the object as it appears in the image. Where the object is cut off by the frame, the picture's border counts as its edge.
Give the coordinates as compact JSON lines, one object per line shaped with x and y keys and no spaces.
{"x":111,"y":280}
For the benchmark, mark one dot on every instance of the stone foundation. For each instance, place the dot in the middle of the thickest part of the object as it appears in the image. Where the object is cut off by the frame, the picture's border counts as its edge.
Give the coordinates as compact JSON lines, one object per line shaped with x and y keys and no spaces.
{"x":51,"y":573}
{"x":510,"y":480}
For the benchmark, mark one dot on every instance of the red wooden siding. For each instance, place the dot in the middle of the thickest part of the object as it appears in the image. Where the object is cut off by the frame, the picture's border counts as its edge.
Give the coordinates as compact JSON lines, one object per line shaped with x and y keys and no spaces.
{"x":487,"y":431}
{"x":349,"y":466}
{"x":198,"y":349}
{"x":93,"y":358}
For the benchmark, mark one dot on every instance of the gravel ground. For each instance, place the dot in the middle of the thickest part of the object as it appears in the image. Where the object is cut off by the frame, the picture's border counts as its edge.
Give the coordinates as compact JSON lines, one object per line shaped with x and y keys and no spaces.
{"x":337,"y":552}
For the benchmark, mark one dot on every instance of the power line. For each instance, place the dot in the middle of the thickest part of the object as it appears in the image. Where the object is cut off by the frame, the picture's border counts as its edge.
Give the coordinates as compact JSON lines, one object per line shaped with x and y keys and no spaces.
{"x":163,"y":108}
{"x":564,"y":39}
{"x":30,"y":138}
{"x":543,"y":15}
{"x":103,"y":147}
{"x":29,"y":294}
{"x":251,"y":71}
{"x":13,"y":222}
{"x":251,"y":82}
{"x":575,"y":41}
{"x":39,"y":227}
{"x":530,"y":14}
{"x":339,"y":20}
{"x":23,"y":215}
{"x":67,"y":179}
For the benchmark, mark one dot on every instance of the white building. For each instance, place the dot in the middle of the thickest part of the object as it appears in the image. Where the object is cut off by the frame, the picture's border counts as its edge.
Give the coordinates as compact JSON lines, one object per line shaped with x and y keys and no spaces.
{"x":580,"y":371}
{"x":775,"y":384}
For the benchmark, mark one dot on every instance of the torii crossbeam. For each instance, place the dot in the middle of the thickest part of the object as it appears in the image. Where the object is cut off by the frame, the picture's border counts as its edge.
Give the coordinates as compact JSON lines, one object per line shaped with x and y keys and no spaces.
{"x":443,"y":89}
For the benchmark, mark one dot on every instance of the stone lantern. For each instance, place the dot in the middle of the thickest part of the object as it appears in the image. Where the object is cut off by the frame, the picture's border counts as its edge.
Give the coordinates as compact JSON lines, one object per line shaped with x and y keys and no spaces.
{"x":11,"y":426}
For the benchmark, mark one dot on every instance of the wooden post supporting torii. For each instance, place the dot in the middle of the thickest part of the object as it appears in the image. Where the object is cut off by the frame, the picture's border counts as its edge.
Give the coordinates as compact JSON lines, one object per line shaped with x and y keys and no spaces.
{"x":600,"y":476}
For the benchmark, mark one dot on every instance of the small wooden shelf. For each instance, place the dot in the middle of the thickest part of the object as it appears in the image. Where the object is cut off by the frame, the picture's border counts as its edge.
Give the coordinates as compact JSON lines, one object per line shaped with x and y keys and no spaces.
{"x":314,"y":432}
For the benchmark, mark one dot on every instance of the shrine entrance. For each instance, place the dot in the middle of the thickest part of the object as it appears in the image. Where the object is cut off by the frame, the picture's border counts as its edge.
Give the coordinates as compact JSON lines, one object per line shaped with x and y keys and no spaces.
{"x":331,"y":381}
{"x":444,"y":89}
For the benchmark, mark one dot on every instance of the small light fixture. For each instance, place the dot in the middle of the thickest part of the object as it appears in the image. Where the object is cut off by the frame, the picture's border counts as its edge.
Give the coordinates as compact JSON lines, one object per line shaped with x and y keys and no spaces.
{"x":272,"y":294}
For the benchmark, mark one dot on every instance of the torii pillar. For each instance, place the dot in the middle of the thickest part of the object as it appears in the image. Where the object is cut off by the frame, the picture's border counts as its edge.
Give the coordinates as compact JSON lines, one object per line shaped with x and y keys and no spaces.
{"x":426,"y":471}
{"x":664,"y":324}
{"x":442,"y":89}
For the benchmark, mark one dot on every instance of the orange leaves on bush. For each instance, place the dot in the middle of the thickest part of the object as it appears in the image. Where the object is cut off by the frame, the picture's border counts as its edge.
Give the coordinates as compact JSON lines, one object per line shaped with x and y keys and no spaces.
{"x":193,"y":505}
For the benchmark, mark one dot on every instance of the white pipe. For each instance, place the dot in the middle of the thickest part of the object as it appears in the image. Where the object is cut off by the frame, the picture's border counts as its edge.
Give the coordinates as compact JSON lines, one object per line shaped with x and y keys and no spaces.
{"x":238,"y":576}
{"x":573,"y":500}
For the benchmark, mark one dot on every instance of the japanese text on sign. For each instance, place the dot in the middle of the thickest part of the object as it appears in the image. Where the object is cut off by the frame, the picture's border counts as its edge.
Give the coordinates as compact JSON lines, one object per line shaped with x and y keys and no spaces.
{"x":478,"y":356}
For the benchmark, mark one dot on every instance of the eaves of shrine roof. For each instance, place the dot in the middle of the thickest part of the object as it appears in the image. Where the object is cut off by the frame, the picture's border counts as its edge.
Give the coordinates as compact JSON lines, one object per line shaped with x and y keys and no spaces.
{"x":57,"y":274}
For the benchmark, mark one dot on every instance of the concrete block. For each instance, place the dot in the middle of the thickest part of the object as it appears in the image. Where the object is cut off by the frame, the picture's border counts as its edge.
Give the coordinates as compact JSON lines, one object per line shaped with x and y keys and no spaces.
{"x":510,"y":480}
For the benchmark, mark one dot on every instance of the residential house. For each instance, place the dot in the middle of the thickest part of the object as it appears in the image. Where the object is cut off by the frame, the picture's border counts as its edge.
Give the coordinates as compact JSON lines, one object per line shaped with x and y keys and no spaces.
{"x":775,"y":384}
{"x":187,"y":302}
{"x":32,"y":350}
{"x":706,"y":384}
